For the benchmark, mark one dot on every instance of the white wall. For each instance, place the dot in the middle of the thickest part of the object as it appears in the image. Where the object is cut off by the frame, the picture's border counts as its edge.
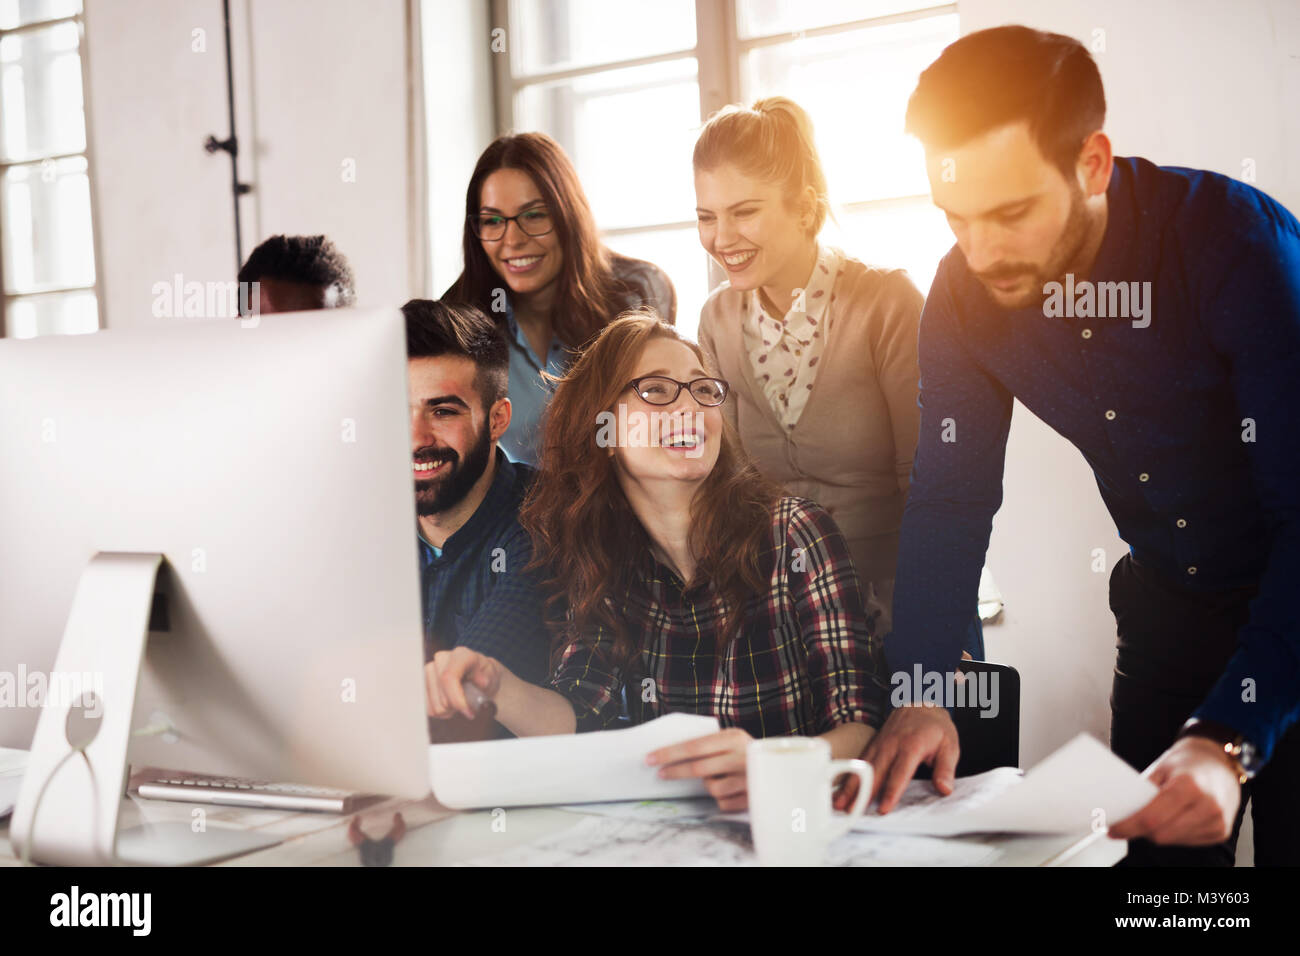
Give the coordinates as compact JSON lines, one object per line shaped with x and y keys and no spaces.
{"x":318,"y":82}
{"x":1205,"y":83}
{"x":331,"y":87}
{"x":162,"y":203}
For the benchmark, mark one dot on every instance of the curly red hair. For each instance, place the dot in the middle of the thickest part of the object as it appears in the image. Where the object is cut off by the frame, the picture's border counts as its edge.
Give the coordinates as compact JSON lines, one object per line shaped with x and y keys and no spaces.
{"x":586,"y":538}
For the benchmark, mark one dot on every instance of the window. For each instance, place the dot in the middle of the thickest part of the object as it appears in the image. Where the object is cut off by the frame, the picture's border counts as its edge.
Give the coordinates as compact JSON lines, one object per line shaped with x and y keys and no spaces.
{"x":617,"y":84}
{"x":624,"y":88}
{"x":47,"y":260}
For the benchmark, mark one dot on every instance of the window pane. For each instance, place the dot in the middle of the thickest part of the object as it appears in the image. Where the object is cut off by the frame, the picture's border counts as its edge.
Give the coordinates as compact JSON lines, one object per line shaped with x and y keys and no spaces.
{"x":554,"y":34}
{"x":47,"y":238}
{"x":678,"y":253}
{"x":630,"y":133}
{"x":72,"y":314}
{"x":758,"y":18}
{"x":911,"y":234}
{"x":41,"y":110}
{"x":16,"y":13}
{"x":855,"y":86}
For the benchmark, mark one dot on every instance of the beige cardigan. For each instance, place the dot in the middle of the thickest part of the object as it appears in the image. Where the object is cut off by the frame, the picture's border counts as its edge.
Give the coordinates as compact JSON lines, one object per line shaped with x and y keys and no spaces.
{"x":851,"y":450}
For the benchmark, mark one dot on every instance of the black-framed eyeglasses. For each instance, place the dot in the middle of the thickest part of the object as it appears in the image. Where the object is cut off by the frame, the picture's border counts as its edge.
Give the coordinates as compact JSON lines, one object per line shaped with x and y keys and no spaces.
{"x":491,"y":227}
{"x":661,"y":390}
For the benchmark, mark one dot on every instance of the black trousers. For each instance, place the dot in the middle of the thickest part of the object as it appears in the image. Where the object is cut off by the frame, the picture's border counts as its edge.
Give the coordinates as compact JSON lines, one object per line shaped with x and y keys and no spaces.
{"x":1173,"y":645}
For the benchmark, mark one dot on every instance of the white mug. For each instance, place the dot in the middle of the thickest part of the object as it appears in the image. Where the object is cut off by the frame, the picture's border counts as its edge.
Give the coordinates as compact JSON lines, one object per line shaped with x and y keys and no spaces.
{"x":790,"y":816}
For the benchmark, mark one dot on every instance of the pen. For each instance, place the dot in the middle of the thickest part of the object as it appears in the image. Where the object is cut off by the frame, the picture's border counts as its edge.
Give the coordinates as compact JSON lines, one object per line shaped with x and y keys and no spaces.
{"x":478,"y":701}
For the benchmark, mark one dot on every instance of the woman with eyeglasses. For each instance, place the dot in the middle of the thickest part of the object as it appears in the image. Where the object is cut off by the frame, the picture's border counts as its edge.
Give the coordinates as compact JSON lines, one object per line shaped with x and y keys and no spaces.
{"x":533,"y":262}
{"x":819,"y":347}
{"x":688,"y":582}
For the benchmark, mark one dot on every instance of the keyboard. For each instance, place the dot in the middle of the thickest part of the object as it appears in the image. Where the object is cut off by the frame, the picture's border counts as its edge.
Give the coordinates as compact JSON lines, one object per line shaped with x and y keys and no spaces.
{"x":237,"y":792}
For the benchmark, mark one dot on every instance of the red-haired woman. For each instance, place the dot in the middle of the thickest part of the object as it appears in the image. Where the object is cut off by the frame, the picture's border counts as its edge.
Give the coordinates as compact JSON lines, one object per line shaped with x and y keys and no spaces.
{"x":677,"y":563}
{"x":534,"y":263}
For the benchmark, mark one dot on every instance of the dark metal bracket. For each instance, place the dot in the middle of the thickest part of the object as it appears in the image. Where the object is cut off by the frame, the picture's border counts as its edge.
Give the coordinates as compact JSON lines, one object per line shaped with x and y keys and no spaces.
{"x":230,"y":144}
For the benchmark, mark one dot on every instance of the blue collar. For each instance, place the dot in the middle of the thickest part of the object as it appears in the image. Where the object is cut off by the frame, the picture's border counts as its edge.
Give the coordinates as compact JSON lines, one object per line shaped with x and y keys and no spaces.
{"x":556,"y":354}
{"x":1117,"y":243}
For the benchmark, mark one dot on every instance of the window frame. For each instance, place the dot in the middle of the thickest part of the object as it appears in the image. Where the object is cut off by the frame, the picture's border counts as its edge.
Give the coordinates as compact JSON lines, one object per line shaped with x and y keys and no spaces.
{"x":718,"y":52}
{"x":8,"y":298}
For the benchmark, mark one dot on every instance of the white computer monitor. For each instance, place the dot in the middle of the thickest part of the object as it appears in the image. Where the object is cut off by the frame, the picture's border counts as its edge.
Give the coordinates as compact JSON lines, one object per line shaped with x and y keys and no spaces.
{"x":268,"y":465}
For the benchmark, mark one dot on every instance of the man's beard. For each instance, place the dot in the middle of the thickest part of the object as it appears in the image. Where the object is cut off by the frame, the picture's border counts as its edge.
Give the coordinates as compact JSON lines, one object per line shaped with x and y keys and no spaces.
{"x":1066,"y":252}
{"x":436,"y":495}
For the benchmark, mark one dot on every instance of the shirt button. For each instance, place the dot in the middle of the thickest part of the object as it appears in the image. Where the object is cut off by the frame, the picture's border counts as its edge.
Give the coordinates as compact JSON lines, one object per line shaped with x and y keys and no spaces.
{"x":1086,"y":333}
{"x":1144,"y":477}
{"x":1110,"y":414}
{"x":1182,"y":522}
{"x":1192,"y":569}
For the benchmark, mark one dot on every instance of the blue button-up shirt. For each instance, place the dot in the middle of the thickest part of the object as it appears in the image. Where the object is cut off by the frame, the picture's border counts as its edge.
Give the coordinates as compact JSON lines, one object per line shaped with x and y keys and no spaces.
{"x":1189,"y":418}
{"x":475,"y":592}
{"x":529,"y":392}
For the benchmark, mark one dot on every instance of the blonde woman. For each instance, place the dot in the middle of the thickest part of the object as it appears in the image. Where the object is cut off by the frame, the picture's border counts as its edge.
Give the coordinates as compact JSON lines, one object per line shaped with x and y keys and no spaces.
{"x":820,"y":349}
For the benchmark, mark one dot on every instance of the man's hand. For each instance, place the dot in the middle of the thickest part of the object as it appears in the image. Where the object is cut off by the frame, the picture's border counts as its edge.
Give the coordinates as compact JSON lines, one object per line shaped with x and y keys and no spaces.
{"x":1198,"y":798}
{"x":912,"y":735}
{"x":718,"y":758}
{"x":444,"y":679}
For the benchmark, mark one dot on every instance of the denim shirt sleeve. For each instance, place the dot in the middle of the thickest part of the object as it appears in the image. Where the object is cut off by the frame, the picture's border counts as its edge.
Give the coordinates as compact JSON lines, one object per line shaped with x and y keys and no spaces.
{"x":956,"y":488}
{"x":1259,"y":691}
{"x":509,"y":624}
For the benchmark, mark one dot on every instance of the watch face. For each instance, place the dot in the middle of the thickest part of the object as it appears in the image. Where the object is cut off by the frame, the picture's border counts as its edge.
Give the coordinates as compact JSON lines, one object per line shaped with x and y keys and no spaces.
{"x":1249,"y":758}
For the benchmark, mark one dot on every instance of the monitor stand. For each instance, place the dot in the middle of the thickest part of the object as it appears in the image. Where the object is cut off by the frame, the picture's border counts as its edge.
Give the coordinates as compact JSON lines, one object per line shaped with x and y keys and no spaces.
{"x":71,"y":797}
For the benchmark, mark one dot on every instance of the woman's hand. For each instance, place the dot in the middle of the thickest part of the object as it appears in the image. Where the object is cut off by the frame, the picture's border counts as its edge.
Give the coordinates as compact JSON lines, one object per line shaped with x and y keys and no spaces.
{"x":448,"y":672}
{"x":719,"y":759}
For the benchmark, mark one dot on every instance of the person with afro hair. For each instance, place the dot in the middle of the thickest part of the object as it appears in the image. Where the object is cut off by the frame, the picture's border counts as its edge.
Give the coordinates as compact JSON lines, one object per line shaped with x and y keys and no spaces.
{"x":296,"y":274}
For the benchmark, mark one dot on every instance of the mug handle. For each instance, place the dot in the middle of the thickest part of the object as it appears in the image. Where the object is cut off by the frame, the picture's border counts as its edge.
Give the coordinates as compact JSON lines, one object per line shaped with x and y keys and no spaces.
{"x":862,"y":770}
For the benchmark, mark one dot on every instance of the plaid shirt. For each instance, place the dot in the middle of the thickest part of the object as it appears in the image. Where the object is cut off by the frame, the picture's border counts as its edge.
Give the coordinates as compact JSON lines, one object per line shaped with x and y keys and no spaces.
{"x":806,"y":660}
{"x":476,"y":595}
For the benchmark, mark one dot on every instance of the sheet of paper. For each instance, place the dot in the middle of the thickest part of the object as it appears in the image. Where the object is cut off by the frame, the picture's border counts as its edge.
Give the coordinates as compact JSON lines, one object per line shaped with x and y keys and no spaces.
{"x":852,"y":849}
{"x":695,"y":810}
{"x":620,"y":841}
{"x":593,"y":767}
{"x":900,"y":849}
{"x":1078,"y":787}
{"x":628,"y":841}
{"x":921,"y":802}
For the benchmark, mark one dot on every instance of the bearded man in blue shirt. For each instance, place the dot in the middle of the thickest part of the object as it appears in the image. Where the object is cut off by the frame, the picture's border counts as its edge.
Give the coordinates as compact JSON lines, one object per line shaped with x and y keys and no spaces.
{"x":1151,"y":316}
{"x":475,"y":592}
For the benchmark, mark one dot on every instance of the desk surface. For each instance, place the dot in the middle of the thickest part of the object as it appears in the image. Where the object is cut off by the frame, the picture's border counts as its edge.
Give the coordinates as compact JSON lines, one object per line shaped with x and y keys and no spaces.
{"x":437,"y":836}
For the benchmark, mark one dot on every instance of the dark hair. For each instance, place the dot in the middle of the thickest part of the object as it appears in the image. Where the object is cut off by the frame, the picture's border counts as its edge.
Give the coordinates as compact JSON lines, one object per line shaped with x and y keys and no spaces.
{"x":993,"y":77}
{"x":589,"y":294}
{"x":435,"y":328}
{"x":311,"y":260}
